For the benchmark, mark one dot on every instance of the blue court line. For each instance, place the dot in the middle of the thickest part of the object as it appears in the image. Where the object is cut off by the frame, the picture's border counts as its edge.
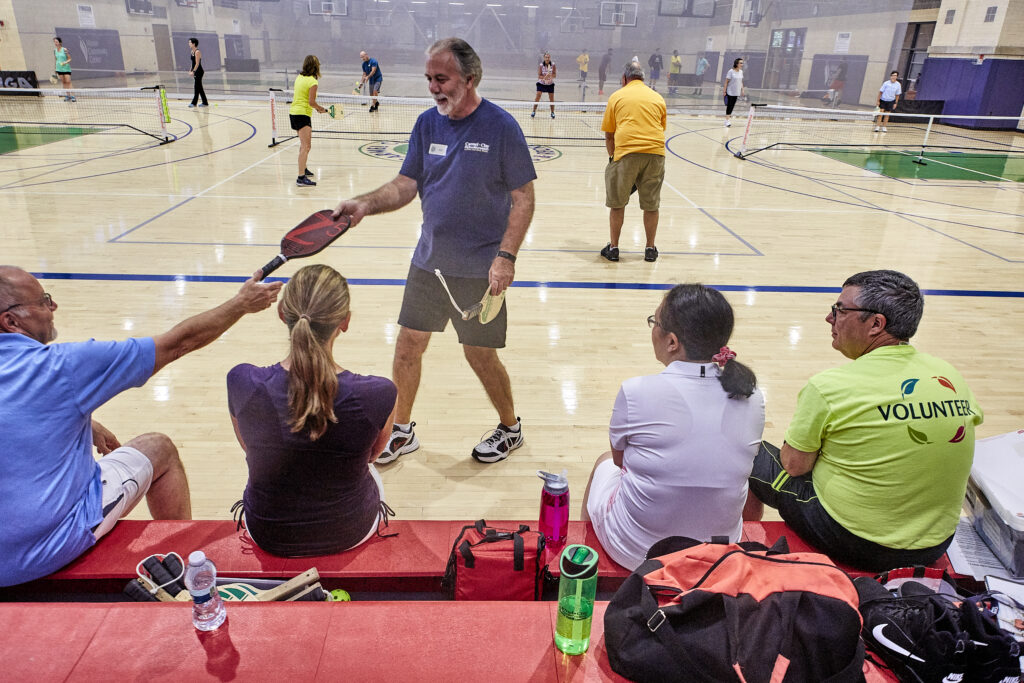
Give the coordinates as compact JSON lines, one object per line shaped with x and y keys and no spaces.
{"x":530,"y":284}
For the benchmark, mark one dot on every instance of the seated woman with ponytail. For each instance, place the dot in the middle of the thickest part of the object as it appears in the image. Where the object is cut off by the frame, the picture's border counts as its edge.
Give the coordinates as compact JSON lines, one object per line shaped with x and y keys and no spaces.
{"x":311,"y":430}
{"x":683,"y":441}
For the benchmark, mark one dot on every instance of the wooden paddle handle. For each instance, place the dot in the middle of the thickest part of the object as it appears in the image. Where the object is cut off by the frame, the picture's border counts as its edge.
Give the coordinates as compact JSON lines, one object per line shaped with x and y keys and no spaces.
{"x":278,"y":261}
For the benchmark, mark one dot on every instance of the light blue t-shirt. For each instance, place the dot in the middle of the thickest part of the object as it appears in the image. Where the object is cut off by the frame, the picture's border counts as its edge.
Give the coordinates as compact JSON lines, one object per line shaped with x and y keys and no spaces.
{"x":50,"y":489}
{"x":465,"y":170}
{"x":890,"y":91}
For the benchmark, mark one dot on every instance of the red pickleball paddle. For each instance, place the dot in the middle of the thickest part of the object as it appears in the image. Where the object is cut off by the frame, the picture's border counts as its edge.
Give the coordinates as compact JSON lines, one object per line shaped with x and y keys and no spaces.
{"x":309,"y":237}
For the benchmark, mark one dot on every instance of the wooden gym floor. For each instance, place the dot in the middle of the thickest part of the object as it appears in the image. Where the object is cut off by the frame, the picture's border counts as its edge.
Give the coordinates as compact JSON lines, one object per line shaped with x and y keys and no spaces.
{"x":130,"y":238}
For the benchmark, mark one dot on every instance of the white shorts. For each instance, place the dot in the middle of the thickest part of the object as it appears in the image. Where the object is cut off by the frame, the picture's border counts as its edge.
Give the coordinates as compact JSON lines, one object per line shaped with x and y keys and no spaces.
{"x":126,"y":475}
{"x":603,"y":488}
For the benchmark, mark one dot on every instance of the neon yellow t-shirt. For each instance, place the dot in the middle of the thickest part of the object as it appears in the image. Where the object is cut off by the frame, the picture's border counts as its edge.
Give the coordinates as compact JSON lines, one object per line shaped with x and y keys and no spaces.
{"x":895,"y":431}
{"x":300,"y":100}
{"x":675,"y":64}
{"x":584,"y":61}
{"x":637,"y":116}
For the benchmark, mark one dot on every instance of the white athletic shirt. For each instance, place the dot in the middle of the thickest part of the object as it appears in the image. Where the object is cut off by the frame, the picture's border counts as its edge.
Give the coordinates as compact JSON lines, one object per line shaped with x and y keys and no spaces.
{"x":735,"y":83}
{"x":688,"y":451}
{"x":890,"y":91}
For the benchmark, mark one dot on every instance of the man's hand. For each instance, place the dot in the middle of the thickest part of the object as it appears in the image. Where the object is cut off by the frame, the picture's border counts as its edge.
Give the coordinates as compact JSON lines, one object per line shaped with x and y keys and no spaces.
{"x":501,"y":275}
{"x":353,"y":208}
{"x":103,"y":439}
{"x":256,"y":296}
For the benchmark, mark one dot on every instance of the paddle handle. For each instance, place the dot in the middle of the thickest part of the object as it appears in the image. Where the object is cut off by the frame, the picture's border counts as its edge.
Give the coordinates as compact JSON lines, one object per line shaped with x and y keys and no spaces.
{"x":278,"y":261}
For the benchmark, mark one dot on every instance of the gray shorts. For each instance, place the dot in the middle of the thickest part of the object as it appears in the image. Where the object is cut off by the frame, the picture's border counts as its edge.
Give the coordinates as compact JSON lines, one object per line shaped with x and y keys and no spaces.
{"x":425,"y":307}
{"x":126,"y":474}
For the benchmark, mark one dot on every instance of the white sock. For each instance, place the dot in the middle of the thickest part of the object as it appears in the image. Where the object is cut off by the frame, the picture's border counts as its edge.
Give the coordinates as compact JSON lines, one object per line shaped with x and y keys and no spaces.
{"x":513,"y":428}
{"x":404,"y":427}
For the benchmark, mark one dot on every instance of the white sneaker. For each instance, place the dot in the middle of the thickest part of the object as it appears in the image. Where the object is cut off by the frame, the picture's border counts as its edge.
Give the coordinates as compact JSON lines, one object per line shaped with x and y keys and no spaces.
{"x":884,"y":130}
{"x":878,"y":128}
{"x":728,"y":124}
{"x":499,"y":444}
{"x":400,"y":443}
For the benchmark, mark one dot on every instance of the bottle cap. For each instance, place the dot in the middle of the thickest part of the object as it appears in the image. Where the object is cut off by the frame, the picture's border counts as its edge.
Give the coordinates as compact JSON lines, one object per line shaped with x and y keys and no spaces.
{"x":555,"y":483}
{"x":196,"y":558}
{"x":578,"y":562}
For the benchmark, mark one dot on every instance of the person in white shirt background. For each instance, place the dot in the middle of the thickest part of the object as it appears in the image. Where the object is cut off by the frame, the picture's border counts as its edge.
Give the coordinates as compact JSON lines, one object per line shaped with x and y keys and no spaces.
{"x":733,"y":88}
{"x":888,"y":96}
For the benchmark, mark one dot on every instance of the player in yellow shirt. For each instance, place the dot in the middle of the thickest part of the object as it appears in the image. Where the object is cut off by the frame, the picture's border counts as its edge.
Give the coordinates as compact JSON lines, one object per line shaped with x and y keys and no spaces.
{"x":584,"y":61}
{"x":303,"y":104}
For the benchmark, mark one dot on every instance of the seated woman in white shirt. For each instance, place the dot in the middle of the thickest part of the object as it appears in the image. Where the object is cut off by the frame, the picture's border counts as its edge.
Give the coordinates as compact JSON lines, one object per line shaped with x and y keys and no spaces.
{"x":683,"y":441}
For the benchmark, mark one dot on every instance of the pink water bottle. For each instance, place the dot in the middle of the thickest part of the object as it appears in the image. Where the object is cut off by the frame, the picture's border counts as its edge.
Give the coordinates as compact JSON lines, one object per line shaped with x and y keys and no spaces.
{"x":554,"y":507}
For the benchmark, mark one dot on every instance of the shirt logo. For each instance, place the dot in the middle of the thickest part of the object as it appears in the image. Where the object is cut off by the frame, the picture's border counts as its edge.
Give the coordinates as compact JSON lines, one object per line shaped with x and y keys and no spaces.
{"x":438,"y":150}
{"x":908,"y":410}
{"x":477,"y":147}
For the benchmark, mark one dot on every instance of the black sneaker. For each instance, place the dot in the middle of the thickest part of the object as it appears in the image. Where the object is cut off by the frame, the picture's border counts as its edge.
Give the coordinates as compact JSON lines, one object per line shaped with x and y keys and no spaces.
{"x":499,"y":444}
{"x":400,"y":443}
{"x":611,"y":253}
{"x":918,"y":636}
{"x":651,"y":254}
{"x":309,"y":174}
{"x":996,"y":656}
{"x":303,"y":181}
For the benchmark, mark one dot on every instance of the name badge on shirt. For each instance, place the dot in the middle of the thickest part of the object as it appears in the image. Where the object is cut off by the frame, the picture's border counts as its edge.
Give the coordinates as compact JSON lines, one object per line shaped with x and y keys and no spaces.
{"x":439,"y":150}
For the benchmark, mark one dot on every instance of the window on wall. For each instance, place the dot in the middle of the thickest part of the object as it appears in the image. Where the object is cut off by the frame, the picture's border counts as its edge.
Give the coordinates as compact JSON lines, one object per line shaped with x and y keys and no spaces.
{"x":990,"y":14}
{"x":950,"y":13}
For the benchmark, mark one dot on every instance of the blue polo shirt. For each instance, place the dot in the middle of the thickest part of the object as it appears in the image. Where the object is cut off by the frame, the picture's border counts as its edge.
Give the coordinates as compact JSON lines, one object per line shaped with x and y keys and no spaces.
{"x":465,"y":170}
{"x":368,"y":66}
{"x":50,"y":489}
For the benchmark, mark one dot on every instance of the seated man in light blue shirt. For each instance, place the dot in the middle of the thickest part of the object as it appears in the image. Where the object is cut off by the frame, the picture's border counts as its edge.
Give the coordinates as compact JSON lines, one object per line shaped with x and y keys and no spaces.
{"x":56,"y":500}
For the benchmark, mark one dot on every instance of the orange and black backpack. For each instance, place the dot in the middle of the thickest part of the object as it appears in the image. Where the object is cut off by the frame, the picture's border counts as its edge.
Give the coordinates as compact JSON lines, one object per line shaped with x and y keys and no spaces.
{"x":722,"y":611}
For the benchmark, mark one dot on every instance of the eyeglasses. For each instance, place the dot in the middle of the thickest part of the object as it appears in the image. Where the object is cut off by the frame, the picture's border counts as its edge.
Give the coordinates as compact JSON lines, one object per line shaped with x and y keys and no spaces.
{"x":46,"y":300}
{"x":652,"y":321}
{"x":839,"y":308}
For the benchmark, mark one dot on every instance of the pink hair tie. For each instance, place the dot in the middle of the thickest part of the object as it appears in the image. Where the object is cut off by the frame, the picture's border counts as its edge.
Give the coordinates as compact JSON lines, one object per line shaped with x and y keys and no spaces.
{"x":724,"y":355}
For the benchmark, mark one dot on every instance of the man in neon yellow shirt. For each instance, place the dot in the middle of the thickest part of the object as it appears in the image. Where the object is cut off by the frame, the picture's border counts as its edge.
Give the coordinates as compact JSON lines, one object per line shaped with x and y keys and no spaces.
{"x":875,"y":463}
{"x":634,"y":133}
{"x":584,"y":61}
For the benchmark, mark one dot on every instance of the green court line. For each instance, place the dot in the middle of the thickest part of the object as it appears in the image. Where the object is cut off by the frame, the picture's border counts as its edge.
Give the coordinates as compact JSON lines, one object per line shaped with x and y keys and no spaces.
{"x":14,"y":138}
{"x":938,"y":165}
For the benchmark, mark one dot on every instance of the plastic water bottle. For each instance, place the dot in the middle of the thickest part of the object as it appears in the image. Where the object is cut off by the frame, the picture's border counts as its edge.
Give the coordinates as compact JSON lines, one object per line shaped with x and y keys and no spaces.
{"x":577,"y":588}
{"x":208,"y":611}
{"x":554,"y":507}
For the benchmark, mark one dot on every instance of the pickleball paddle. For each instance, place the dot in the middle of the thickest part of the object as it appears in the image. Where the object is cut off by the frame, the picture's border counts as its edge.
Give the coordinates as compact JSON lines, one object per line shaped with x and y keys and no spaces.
{"x":309,"y":237}
{"x":358,"y":89}
{"x":486,"y":309}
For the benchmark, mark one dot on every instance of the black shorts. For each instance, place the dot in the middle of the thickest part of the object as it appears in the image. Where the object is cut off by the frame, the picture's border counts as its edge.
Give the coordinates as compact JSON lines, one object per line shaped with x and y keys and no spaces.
{"x":426,"y":307}
{"x":887,"y":106}
{"x":541,"y":87}
{"x":300,"y":121}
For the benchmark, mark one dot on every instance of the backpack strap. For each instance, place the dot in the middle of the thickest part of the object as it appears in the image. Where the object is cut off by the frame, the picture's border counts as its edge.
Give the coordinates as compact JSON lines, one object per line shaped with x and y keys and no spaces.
{"x":672,"y":544}
{"x":518,"y":552}
{"x":467,"y":554}
{"x":479,"y":525}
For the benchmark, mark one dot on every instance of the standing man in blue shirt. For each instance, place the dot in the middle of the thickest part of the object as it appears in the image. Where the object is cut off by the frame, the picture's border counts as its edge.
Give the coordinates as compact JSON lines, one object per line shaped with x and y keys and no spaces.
{"x":373,"y":76}
{"x":469,"y":163}
{"x":888,"y":97}
{"x":56,"y":500}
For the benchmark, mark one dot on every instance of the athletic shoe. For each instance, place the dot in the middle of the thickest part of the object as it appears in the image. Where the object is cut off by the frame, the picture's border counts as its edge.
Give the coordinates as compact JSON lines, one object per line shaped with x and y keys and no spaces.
{"x":204,"y":104}
{"x":878,"y":128}
{"x":191,"y":106}
{"x":728,"y":124}
{"x":374,"y":107}
{"x":400,"y":443}
{"x":309,"y":174}
{"x":303,"y":181}
{"x":552,"y":114}
{"x":651,"y":254}
{"x":499,"y":444}
{"x":918,"y":636}
{"x":884,"y":130}
{"x":611,"y":253}
{"x":996,"y":657}
{"x":600,"y":92}
{"x":533,"y":115}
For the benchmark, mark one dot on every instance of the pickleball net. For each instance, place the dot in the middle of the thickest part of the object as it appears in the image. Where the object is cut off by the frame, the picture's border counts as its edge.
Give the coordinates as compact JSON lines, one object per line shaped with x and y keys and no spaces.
{"x":91,"y":110}
{"x":777,"y":126}
{"x":575,"y":123}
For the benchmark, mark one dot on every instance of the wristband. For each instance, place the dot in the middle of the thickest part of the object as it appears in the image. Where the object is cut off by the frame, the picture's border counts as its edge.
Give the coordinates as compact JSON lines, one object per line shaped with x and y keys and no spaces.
{"x":507,"y":255}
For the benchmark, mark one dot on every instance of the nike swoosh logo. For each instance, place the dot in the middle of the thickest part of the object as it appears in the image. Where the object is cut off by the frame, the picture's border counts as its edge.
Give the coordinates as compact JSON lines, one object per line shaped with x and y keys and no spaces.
{"x":879,"y":633}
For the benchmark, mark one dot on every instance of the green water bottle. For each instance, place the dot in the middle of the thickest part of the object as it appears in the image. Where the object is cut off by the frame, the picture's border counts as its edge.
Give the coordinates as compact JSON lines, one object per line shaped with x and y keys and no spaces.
{"x":577,"y":589}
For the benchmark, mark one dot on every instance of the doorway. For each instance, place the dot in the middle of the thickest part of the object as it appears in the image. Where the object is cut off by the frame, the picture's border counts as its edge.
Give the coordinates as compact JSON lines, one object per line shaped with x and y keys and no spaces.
{"x":162,"y":44}
{"x":784,"y":56}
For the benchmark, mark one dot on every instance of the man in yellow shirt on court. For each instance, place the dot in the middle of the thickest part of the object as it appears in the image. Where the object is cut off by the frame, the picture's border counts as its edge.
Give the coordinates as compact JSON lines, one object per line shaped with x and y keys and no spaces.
{"x":634,"y":132}
{"x":584,"y":61}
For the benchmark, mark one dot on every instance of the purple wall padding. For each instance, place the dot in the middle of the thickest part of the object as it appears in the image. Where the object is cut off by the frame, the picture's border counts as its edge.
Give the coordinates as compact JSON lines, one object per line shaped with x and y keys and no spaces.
{"x":993,"y":88}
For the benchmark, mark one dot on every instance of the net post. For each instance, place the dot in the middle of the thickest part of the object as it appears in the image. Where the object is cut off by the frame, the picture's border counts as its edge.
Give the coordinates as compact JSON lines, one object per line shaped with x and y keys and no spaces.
{"x":924,"y":143}
{"x":746,"y":132}
{"x":164,"y":113}
{"x":273,"y":116}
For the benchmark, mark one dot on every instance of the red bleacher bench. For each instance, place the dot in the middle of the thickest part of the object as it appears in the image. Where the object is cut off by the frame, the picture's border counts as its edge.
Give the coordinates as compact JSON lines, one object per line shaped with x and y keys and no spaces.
{"x":413,"y":561}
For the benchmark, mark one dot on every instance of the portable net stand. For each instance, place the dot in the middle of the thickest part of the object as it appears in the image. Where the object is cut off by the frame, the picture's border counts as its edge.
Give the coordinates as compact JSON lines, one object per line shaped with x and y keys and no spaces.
{"x":575,"y":123}
{"x":774,"y":126}
{"x":93,"y":110}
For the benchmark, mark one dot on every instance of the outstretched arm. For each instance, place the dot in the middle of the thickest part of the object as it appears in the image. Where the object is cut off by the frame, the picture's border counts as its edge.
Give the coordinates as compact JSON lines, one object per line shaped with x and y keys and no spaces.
{"x":199,"y":330}
{"x":388,"y":197}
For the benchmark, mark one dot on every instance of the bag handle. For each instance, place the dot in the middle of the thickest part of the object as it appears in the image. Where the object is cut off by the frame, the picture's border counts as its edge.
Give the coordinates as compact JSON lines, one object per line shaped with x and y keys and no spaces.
{"x":518,"y":552}
{"x":467,"y":554}
{"x":654,"y":620}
